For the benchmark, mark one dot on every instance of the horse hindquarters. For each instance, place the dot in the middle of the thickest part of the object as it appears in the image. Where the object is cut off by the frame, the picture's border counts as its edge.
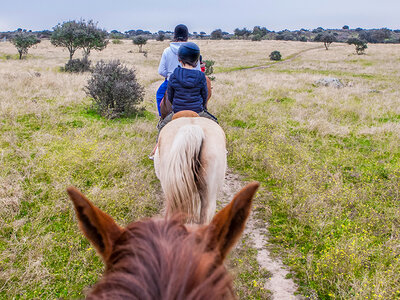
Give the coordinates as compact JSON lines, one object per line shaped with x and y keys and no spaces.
{"x":179,"y":172}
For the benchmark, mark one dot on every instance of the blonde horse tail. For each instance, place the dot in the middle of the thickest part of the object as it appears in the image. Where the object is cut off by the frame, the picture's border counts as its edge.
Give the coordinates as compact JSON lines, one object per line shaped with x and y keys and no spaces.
{"x":180,"y":177}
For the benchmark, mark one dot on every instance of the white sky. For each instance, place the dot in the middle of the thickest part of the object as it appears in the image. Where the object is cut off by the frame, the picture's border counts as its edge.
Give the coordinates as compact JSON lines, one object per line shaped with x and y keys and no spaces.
{"x":202,"y":15}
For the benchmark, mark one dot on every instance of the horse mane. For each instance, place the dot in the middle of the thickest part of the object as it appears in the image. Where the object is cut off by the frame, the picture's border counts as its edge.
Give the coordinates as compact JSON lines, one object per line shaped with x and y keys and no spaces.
{"x":161,"y":259}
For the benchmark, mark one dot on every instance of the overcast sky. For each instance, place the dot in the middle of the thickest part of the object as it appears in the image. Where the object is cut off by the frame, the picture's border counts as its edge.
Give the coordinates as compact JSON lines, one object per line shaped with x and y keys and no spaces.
{"x":202,"y":15}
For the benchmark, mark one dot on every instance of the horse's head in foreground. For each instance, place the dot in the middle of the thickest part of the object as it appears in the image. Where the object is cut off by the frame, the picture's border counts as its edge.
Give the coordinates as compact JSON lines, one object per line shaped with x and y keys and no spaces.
{"x":164,"y":258}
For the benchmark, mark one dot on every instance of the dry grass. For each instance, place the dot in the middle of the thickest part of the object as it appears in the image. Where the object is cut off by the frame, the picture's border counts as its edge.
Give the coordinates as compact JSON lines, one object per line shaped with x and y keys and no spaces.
{"x":329,"y":156}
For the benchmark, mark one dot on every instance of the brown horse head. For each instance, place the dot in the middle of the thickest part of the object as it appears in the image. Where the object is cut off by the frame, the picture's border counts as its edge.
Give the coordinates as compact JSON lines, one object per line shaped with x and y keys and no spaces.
{"x":164,"y":259}
{"x":186,"y":114}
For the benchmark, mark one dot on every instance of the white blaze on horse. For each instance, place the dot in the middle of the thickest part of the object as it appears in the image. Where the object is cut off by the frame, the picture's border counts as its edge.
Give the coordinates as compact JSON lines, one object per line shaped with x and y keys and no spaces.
{"x":190,"y":162}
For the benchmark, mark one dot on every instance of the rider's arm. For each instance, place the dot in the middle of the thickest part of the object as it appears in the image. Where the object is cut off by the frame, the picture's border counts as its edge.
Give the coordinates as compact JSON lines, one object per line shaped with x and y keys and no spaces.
{"x":204,"y":91}
{"x":170,"y":91}
{"x":162,"y":68}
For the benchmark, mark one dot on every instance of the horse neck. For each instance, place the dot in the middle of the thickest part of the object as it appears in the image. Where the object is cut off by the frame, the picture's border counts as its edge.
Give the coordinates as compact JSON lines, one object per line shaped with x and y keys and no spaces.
{"x":161,"y":260}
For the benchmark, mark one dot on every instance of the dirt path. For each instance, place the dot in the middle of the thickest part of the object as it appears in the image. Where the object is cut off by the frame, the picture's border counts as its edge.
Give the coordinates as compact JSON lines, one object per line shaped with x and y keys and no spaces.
{"x":279,"y":286}
{"x":289,"y":59}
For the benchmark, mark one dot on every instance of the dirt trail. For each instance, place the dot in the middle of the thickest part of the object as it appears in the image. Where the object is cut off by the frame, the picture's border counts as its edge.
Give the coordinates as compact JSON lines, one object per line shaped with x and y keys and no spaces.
{"x":290,"y":58}
{"x":280,"y":287}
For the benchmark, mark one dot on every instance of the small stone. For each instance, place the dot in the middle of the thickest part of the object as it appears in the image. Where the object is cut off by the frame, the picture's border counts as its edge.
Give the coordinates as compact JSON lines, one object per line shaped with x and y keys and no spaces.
{"x":330,"y":81}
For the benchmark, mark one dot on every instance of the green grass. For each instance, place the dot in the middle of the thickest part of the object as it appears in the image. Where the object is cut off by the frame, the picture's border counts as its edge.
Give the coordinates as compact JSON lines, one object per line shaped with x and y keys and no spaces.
{"x":249,"y":277}
{"x":333,"y":209}
{"x":232,"y":69}
{"x":82,"y":149}
{"x":6,"y":56}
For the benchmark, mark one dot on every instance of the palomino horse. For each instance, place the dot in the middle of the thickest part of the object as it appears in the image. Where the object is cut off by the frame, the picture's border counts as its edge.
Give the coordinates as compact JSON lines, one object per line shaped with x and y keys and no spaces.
{"x":164,"y":259}
{"x":190,"y":162}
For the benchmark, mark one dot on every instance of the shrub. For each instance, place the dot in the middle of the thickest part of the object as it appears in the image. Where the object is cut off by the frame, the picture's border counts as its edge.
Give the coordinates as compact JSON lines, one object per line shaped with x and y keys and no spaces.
{"x":359,"y":44}
{"x":302,"y":39}
{"x":256,"y":37}
{"x":140,"y":41}
{"x":244,"y":33}
{"x":275,"y":55}
{"x":209,"y":69}
{"x":114,"y":89}
{"x":116,"y":35}
{"x":117,"y":41}
{"x":78,"y":65}
{"x":23,"y":41}
{"x":160,"y":37}
{"x":216,"y":34}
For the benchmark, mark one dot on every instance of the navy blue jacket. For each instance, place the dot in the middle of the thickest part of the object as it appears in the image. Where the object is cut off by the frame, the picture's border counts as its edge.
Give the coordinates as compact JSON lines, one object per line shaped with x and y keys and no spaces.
{"x":187,"y":90}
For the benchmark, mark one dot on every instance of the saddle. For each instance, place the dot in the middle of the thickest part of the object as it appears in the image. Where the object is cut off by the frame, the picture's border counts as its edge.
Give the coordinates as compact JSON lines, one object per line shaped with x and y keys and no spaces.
{"x":185,"y":113}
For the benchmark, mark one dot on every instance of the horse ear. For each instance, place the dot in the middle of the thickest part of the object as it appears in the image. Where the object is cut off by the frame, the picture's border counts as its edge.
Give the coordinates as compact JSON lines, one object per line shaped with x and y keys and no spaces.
{"x":99,"y":228}
{"x":227,"y":226}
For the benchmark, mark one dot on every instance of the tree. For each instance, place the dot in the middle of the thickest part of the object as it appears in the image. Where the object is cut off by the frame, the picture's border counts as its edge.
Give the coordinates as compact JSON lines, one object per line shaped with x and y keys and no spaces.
{"x":326,"y":38}
{"x":67,"y":34}
{"x":216,"y":34}
{"x":76,"y":35}
{"x":116,"y":35}
{"x":202,"y":34}
{"x":92,"y":37}
{"x":261,"y":31}
{"x":242,"y":32}
{"x":359,"y":44}
{"x":23,"y":41}
{"x":345,"y":27}
{"x":140,"y":41}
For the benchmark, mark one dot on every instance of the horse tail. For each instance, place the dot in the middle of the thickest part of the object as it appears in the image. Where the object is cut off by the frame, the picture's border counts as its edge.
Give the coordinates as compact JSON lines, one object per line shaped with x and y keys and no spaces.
{"x":180,"y":178}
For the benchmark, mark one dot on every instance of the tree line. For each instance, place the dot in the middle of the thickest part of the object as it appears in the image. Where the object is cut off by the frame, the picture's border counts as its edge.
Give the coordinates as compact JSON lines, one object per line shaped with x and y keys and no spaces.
{"x":88,"y":36}
{"x":382,"y":35}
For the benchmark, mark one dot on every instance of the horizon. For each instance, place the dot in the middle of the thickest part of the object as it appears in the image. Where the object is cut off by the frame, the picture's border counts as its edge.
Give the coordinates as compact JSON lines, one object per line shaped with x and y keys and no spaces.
{"x":224,"y":15}
{"x":208,"y":33}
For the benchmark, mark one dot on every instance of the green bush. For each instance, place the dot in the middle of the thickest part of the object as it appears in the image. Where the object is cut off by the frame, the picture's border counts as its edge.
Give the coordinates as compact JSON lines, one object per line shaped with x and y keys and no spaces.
{"x":160,"y":37}
{"x":359,"y":44}
{"x":117,"y":41}
{"x":256,"y":38}
{"x":114,"y":89}
{"x":209,"y":69}
{"x":78,"y":65}
{"x":275,"y":55}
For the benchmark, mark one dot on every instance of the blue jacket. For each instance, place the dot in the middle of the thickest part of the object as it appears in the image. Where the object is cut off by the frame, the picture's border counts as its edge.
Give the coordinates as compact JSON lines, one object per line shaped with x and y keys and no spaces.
{"x":187,"y":90}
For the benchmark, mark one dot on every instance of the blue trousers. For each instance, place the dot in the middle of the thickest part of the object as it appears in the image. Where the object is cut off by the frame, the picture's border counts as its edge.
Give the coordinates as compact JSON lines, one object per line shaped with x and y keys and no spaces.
{"x":160,"y":94}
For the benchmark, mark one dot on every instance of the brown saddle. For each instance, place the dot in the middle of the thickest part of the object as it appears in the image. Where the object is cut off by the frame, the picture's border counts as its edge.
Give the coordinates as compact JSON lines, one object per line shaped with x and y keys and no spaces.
{"x":186,"y":114}
{"x":166,"y":106}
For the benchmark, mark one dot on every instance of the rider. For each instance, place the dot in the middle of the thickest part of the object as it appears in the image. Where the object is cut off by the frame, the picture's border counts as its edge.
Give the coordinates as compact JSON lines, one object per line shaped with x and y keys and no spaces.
{"x":187,"y":87}
{"x":169,"y":60}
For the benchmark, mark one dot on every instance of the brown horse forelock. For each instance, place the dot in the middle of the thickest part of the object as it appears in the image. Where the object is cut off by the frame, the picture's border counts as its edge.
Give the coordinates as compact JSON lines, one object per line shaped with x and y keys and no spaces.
{"x":161,"y":259}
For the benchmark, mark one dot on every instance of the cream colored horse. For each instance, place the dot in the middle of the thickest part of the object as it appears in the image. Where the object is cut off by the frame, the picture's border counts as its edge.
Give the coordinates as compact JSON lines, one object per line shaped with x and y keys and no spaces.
{"x":190,"y":162}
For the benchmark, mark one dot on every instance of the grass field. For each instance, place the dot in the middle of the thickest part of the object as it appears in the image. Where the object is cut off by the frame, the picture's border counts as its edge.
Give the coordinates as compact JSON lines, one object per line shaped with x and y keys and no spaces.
{"x":328,"y":160}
